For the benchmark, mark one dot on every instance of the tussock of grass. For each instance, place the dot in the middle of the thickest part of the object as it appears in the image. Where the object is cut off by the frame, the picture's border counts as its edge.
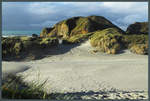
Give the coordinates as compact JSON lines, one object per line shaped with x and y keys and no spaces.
{"x":140,"y":49}
{"x":108,"y":40}
{"x":136,"y":43}
{"x":13,"y":87}
{"x":134,"y":39}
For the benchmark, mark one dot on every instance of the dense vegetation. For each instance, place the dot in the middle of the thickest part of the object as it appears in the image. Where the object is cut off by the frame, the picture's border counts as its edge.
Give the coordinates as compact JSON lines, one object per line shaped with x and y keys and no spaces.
{"x":107,"y":40}
{"x":103,"y":35}
{"x":136,"y":43}
{"x":20,"y":47}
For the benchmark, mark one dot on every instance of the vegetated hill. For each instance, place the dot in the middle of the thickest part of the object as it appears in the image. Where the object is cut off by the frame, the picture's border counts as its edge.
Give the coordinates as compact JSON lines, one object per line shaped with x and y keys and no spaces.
{"x":138,"y":28}
{"x":103,"y":34}
{"x":78,"y":25}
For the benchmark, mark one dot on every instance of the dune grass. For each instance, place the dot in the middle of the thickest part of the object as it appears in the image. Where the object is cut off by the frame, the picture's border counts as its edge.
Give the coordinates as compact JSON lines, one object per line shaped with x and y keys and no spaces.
{"x":137,"y":44}
{"x":134,"y":39}
{"x":13,"y":87}
{"x":78,"y":38}
{"x":108,"y":40}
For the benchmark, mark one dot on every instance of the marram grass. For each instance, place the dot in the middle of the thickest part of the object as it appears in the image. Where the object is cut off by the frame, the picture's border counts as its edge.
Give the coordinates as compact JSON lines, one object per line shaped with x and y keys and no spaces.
{"x":13,"y":87}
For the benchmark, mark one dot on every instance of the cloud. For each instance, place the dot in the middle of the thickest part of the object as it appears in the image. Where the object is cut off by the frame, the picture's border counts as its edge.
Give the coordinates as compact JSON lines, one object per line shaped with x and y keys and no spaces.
{"x":126,"y":7}
{"x":44,"y":24}
{"x":36,"y":15}
{"x":41,"y":8}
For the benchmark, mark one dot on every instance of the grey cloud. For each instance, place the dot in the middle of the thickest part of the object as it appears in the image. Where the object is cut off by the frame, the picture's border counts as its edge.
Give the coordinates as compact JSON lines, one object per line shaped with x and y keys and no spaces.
{"x":36,"y":15}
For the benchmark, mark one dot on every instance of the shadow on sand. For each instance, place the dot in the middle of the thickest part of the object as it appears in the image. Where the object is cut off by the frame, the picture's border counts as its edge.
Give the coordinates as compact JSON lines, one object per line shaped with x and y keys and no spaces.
{"x":41,"y":53}
{"x":47,"y":52}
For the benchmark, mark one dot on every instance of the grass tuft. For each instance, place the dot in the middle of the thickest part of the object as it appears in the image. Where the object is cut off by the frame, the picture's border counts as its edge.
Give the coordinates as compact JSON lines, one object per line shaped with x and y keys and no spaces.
{"x":13,"y":87}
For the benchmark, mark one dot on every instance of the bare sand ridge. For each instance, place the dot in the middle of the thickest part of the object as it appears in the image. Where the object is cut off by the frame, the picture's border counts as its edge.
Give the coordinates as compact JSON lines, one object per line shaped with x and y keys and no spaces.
{"x":80,"y":70}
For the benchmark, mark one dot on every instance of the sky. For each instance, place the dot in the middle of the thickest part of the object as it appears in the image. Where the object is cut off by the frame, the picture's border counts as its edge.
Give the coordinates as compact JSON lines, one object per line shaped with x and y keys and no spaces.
{"x":37,"y":15}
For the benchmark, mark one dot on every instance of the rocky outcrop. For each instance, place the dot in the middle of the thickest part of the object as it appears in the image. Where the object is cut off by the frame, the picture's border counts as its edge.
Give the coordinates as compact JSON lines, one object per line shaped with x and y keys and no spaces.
{"x":138,"y":28}
{"x":78,"y":25}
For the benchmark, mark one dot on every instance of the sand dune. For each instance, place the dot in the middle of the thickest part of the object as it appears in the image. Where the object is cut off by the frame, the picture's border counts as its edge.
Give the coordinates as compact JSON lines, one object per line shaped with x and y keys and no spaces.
{"x":80,"y":70}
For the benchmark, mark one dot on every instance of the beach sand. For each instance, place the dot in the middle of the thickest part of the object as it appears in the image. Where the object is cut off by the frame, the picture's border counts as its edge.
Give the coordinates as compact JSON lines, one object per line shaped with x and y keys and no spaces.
{"x":80,"y":70}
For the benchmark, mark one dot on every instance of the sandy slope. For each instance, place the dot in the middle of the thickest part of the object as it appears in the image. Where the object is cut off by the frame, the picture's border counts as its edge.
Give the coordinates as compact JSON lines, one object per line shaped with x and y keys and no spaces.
{"x":80,"y":70}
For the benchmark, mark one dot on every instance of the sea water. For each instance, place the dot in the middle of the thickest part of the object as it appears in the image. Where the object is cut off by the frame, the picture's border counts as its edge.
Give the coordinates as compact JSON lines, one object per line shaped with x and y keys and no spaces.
{"x":19,"y":33}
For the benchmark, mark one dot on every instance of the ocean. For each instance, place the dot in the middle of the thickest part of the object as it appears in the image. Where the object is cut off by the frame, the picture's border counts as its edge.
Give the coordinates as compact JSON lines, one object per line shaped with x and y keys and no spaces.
{"x":19,"y":33}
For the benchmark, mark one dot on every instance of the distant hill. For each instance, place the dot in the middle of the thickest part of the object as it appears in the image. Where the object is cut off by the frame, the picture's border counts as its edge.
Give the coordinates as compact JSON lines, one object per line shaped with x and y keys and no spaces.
{"x":138,"y":28}
{"x":78,"y":25}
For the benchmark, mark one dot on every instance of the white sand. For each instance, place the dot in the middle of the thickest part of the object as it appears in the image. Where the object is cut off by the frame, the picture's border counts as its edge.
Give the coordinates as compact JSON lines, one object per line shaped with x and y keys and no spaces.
{"x":80,"y":70}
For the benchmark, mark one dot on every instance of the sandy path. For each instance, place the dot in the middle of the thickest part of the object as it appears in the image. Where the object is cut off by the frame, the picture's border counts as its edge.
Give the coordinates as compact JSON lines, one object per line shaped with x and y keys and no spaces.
{"x":78,"y":70}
